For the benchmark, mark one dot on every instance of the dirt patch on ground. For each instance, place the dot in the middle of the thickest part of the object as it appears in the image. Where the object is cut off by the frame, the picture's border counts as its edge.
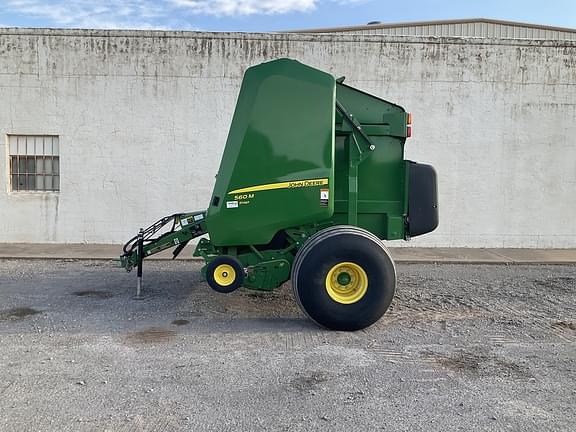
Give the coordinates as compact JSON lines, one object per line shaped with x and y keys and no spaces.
{"x":180,"y":322}
{"x":480,"y":364}
{"x":559,"y":283}
{"x":570,"y":325}
{"x":151,"y":335}
{"x":462,"y":361}
{"x":17,"y":313}
{"x":94,"y":294}
{"x":309,"y":381}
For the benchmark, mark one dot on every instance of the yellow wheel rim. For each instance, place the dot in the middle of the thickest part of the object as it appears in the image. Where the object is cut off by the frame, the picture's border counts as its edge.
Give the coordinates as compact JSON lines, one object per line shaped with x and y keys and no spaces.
{"x":346,"y":283}
{"x":224,"y":275}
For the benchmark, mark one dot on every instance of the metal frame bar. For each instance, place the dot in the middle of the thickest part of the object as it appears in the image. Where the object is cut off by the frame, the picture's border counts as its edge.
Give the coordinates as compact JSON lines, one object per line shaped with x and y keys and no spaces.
{"x":359,"y":147}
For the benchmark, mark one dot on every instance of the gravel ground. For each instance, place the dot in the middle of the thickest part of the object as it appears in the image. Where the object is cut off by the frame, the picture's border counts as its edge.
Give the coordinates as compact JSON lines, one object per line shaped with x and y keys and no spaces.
{"x":464,"y":347}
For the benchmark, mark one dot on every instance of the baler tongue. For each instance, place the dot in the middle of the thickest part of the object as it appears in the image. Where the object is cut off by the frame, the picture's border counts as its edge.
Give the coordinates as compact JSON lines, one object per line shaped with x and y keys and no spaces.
{"x":158,"y":237}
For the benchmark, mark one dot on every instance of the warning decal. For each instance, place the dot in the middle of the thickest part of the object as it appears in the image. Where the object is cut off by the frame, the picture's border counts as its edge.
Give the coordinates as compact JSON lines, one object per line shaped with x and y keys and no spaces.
{"x":324,"y":197}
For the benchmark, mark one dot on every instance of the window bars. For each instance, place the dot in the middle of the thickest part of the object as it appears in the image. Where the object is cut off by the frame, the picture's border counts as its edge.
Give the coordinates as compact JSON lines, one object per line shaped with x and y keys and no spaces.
{"x":34,"y":163}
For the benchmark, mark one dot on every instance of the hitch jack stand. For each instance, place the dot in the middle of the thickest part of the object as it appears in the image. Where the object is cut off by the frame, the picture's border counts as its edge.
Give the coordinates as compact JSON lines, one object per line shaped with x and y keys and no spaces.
{"x":140,"y":259}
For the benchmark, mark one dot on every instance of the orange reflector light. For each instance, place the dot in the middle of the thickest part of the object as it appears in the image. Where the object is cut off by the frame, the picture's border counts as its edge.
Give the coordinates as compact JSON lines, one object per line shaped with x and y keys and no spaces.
{"x":408,"y":131}
{"x":409,"y":119}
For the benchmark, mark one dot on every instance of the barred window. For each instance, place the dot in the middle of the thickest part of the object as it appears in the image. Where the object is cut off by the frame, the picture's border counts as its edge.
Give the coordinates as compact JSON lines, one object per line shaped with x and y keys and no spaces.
{"x":34,"y":162}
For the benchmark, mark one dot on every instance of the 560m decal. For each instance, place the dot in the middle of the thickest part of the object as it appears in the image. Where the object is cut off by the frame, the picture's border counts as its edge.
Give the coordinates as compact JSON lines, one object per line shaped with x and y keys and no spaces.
{"x":282,"y":185}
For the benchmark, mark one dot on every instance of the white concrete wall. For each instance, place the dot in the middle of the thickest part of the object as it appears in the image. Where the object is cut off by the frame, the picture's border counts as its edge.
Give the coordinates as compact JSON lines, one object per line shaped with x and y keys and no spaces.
{"x":143,"y":117}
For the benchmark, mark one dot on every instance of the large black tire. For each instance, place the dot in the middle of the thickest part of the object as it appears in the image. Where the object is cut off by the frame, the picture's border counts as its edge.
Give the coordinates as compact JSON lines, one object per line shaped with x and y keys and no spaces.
{"x":224,"y":274}
{"x":369,"y":278}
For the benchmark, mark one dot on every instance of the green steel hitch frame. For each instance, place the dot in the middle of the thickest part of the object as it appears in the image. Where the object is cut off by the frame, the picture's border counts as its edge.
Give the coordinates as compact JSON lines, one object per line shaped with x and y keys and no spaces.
{"x":185,"y":227}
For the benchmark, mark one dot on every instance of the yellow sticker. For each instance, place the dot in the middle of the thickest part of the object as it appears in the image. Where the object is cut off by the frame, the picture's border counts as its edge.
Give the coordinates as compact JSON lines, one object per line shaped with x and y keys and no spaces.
{"x":282,"y":185}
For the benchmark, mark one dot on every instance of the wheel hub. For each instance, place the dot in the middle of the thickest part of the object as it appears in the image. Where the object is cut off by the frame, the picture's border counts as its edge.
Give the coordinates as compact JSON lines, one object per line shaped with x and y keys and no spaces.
{"x":224,"y":275}
{"x":344,"y":278}
{"x":346,"y":283}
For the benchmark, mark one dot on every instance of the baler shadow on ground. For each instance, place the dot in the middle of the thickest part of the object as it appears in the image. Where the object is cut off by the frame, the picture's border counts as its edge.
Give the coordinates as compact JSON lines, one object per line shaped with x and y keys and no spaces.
{"x":462,"y":347}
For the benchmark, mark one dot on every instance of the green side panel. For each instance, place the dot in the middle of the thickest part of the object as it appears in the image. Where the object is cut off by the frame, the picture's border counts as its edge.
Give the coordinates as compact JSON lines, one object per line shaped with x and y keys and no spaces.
{"x":277,"y":169}
{"x":382,"y":180}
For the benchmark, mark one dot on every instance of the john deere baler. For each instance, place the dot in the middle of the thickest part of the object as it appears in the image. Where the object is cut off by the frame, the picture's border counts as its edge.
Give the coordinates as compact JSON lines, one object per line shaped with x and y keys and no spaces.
{"x":312,"y":177}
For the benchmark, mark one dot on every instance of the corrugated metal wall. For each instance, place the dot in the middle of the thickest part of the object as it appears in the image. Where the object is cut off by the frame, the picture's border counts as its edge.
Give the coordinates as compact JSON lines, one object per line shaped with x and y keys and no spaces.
{"x":472,"y":29}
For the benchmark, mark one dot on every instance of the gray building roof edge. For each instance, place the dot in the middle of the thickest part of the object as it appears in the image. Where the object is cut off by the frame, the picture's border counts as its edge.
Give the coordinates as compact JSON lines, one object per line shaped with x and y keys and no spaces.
{"x":429,"y":23}
{"x":279,"y":36}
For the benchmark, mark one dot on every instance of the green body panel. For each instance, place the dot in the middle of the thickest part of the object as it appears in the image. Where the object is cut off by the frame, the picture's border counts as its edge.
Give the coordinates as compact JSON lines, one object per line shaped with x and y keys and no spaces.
{"x":380,"y":189}
{"x":281,"y":136}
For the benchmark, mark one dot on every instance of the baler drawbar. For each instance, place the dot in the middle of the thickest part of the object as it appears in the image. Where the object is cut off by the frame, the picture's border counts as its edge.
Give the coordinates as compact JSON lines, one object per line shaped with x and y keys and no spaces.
{"x":185,"y":227}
